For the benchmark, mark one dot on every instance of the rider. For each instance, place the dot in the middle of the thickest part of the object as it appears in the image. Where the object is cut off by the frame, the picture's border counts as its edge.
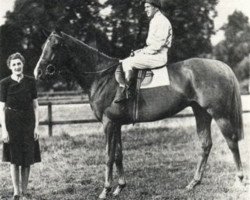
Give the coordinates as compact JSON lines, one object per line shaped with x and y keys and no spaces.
{"x":155,"y":53}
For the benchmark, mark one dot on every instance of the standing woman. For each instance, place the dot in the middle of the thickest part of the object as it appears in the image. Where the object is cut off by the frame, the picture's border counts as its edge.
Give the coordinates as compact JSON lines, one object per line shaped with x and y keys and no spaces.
{"x":19,"y":119}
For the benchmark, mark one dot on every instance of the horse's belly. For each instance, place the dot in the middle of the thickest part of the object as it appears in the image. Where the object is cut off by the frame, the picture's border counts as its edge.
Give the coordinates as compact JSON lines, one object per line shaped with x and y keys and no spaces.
{"x":160,"y":102}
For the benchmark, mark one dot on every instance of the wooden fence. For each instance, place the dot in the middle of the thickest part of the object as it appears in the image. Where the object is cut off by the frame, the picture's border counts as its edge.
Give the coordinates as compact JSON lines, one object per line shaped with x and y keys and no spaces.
{"x":81,"y":99}
{"x":50,"y":122}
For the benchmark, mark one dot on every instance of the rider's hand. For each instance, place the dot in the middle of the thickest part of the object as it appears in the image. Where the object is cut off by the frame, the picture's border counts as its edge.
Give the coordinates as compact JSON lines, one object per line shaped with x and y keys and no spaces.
{"x":132,"y":53}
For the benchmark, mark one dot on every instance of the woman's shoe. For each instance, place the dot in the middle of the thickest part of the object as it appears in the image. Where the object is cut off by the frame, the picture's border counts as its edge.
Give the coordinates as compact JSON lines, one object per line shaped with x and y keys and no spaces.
{"x":16,"y":197}
{"x":26,"y":196}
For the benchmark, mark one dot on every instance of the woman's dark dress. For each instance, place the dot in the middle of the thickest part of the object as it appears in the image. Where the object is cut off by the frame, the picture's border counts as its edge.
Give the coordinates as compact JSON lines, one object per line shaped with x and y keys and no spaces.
{"x":20,"y":121}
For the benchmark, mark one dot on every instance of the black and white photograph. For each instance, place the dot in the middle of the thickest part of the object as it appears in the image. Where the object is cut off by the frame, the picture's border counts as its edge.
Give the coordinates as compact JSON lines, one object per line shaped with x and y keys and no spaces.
{"x":124,"y":99}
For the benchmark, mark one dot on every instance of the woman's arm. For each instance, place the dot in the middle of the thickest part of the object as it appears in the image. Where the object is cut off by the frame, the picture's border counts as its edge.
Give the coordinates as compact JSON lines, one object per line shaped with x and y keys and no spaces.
{"x":5,"y":135}
{"x":36,"y":107}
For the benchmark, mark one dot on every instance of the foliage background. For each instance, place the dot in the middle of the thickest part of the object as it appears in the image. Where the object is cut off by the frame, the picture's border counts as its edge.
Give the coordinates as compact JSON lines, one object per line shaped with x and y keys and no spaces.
{"x":124,"y":28}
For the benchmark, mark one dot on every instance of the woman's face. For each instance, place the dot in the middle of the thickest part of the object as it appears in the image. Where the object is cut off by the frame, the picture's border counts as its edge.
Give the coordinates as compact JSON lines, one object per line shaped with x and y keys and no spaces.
{"x":150,"y":10}
{"x":16,"y":67}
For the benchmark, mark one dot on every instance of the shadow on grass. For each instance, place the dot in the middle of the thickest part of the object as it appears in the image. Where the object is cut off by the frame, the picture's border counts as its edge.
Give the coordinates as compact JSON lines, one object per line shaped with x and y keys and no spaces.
{"x":134,"y":138}
{"x":140,"y":137}
{"x":159,"y":163}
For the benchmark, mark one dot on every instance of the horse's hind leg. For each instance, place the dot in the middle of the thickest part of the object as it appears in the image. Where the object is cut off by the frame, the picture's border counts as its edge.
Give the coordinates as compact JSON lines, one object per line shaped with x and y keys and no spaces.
{"x":203,"y":123}
{"x":228,"y":132}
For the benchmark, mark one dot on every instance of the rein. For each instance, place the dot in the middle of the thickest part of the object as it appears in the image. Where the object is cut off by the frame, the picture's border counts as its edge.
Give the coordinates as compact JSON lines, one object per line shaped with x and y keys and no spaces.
{"x":94,"y":72}
{"x":84,"y":73}
{"x":101,"y":71}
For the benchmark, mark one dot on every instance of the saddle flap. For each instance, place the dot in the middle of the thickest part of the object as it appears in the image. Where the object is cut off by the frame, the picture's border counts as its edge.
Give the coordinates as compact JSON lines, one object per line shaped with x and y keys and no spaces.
{"x":145,"y":78}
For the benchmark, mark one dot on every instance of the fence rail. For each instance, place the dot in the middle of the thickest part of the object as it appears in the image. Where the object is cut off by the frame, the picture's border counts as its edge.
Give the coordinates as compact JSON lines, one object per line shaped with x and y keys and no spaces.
{"x":50,"y":122}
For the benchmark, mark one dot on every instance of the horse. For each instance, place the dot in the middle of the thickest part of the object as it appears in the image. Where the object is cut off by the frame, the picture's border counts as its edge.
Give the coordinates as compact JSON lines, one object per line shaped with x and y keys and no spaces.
{"x":208,"y":86}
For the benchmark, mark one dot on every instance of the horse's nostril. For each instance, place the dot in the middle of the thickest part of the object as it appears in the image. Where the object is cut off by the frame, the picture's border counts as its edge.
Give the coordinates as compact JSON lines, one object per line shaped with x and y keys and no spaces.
{"x":50,"y":69}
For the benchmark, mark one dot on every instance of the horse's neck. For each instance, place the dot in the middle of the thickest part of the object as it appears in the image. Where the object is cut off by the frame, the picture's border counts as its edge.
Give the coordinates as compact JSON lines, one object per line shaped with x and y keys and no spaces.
{"x":102,"y":86}
{"x":93,"y":70}
{"x":88,"y":59}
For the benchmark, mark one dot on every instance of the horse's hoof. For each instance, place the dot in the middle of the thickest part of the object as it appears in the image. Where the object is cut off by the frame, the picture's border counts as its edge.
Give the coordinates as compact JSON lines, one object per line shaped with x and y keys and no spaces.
{"x":119,"y":189}
{"x":192,"y":184}
{"x":104,"y":193}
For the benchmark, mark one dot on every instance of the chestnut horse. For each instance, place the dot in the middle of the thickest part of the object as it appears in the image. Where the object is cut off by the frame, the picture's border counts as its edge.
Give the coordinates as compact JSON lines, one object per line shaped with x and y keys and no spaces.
{"x":208,"y":86}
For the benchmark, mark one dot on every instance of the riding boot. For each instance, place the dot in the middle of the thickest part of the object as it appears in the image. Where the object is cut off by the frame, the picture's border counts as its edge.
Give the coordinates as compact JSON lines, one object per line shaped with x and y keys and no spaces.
{"x":127,"y":92}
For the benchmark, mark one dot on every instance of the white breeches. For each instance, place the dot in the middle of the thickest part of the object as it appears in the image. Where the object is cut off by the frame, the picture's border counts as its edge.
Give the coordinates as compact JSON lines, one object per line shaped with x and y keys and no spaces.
{"x":144,"y":61}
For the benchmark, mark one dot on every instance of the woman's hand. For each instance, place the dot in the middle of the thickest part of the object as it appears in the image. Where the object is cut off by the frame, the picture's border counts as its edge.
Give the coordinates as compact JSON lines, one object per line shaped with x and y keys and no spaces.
{"x":36,"y":134}
{"x":36,"y":106}
{"x":5,"y":136}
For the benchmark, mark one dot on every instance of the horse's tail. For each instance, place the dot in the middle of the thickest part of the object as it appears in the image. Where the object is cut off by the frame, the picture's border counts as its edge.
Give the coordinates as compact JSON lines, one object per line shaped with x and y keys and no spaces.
{"x":236,"y":110}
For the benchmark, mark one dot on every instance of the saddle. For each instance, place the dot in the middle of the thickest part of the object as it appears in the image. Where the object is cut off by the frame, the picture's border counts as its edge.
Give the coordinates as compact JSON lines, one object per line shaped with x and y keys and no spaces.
{"x":142,"y":78}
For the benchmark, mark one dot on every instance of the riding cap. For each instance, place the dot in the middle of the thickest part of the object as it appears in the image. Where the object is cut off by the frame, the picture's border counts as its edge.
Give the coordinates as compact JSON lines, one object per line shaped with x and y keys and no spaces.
{"x":156,"y":3}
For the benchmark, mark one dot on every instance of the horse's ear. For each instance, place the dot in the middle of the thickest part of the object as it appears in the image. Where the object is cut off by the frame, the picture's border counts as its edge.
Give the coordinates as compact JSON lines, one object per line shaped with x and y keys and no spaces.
{"x":45,"y":32}
{"x":60,"y":24}
{"x":58,"y":31}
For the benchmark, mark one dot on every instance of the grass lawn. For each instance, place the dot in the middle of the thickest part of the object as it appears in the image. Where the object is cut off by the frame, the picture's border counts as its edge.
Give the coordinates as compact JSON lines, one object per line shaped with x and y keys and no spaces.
{"x":159,"y":160}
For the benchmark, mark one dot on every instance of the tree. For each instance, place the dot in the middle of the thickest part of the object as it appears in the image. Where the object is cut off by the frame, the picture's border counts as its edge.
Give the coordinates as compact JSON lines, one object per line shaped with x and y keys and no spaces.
{"x":27,"y":27}
{"x":192,"y":23}
{"x":235,"y":49}
{"x":125,"y":28}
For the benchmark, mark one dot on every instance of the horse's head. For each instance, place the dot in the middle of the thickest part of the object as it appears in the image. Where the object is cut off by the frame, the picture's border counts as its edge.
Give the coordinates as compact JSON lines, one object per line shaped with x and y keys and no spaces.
{"x":53,"y":57}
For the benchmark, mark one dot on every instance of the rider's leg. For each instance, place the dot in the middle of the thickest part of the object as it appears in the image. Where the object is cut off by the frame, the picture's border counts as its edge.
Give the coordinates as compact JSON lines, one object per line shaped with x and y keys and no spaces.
{"x":139,"y":61}
{"x":127,"y":92}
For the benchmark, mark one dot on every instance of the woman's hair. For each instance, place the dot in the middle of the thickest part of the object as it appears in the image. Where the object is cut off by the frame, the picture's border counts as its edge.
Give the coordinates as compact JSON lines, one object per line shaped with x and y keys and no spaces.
{"x":15,"y":56}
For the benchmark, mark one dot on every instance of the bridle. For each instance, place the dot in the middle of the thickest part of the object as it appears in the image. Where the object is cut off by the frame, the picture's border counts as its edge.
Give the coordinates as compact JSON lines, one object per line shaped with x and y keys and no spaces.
{"x":51,"y":69}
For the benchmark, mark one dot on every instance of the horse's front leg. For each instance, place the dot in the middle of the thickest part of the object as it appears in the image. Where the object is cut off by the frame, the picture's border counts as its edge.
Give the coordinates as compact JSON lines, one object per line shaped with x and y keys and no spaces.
{"x":110,"y":140}
{"x":119,"y":163}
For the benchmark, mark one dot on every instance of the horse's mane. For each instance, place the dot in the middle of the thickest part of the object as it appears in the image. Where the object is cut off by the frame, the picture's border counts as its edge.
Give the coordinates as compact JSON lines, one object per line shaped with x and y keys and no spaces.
{"x":80,"y":44}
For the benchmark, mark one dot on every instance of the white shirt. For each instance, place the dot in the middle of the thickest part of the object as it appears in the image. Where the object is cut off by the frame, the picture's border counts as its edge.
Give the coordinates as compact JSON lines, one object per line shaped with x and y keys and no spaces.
{"x":159,"y":34}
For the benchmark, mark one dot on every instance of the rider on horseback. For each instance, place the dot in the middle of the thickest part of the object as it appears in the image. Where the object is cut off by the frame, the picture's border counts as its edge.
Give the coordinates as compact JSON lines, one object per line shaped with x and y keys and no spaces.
{"x":155,"y":53}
